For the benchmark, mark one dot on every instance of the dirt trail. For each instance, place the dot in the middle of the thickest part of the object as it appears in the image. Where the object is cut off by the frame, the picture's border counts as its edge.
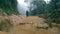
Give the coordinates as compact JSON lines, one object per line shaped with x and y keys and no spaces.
{"x":27,"y":28}
{"x":23,"y":30}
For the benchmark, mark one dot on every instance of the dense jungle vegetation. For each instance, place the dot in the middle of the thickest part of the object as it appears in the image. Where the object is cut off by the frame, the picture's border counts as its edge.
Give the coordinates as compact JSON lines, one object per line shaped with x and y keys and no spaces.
{"x":9,"y":6}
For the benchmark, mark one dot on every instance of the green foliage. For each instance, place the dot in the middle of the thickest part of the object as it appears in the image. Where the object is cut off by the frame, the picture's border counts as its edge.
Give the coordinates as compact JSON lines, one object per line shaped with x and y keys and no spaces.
{"x":51,"y":11}
{"x":9,"y":6}
{"x":9,"y":12}
{"x":40,"y":7}
{"x":55,"y":11}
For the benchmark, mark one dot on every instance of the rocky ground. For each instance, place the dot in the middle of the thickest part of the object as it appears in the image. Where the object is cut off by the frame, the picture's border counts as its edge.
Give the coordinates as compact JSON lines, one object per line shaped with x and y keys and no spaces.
{"x":29,"y":25}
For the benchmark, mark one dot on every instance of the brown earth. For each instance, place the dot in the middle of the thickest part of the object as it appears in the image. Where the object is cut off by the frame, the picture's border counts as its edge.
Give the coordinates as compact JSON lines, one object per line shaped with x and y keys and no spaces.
{"x":1,"y":32}
{"x":27,"y":28}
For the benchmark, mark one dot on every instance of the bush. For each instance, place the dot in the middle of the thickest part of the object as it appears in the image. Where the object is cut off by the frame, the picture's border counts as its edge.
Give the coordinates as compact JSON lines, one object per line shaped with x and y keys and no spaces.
{"x":5,"y":25}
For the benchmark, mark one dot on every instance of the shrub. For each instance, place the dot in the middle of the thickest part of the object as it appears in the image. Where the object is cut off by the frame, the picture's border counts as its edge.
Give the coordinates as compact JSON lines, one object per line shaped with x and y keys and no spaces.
{"x":5,"y":25}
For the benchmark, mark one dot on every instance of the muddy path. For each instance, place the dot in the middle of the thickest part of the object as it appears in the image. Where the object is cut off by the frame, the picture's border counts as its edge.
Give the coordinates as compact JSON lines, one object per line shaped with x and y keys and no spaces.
{"x":28,"y":25}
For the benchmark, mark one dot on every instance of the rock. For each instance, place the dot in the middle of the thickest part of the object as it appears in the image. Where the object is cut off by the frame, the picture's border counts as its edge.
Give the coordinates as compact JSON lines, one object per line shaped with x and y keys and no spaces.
{"x":43,"y":26}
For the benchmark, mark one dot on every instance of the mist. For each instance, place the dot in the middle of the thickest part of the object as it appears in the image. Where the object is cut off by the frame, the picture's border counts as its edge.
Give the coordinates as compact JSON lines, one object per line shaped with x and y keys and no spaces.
{"x":24,"y":5}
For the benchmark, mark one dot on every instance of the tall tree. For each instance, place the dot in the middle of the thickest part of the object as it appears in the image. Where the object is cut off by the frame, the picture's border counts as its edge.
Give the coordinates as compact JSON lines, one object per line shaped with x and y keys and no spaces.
{"x":40,"y":7}
{"x":55,"y":10}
